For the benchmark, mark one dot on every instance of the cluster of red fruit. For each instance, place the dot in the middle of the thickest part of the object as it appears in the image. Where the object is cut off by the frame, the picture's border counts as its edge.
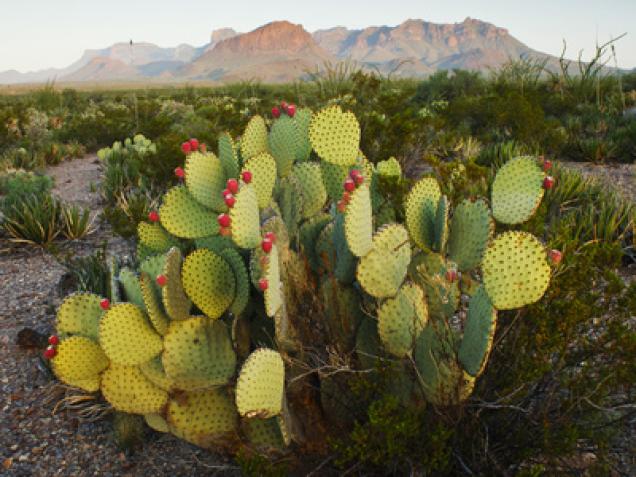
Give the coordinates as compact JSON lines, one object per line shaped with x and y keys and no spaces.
{"x":354,"y":180}
{"x":288,"y":109}
{"x":51,"y":350}
{"x":267,"y":243}
{"x":232,"y":187}
{"x":548,"y":182}
{"x":193,"y":145}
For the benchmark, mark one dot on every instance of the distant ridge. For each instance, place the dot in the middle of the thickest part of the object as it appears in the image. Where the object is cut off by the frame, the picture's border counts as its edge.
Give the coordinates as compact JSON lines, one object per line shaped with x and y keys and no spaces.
{"x":281,"y":51}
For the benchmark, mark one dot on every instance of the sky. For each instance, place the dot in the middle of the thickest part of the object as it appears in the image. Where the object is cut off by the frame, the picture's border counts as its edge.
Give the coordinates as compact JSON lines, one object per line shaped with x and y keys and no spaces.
{"x":37,"y":34}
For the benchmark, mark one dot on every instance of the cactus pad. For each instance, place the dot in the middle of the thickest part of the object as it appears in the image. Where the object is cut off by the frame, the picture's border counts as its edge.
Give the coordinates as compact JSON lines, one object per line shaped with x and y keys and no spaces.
{"x":263,"y":169}
{"x":154,"y":309}
{"x":309,"y":232}
{"x":478,"y":333}
{"x":175,"y":301}
{"x":126,"y":337}
{"x":155,"y":373}
{"x":246,"y":231}
{"x":517,"y":190}
{"x":309,"y":177}
{"x":198,"y":353}
{"x":303,"y":120}
{"x":389,"y":169}
{"x":204,"y":418}
{"x":242,"y":280}
{"x":156,"y":422}
{"x":271,"y":272}
{"x":227,"y":156}
{"x":421,"y":210}
{"x":184,"y":217}
{"x":359,"y":222}
{"x":470,"y":230}
{"x":254,"y":140}
{"x":382,"y":270}
{"x":209,"y":282}
{"x":515,"y":270}
{"x":154,"y":266}
{"x":440,"y":235}
{"x":128,"y":390}
{"x":80,"y":314}
{"x":259,"y":390}
{"x":215,"y":243}
{"x":79,"y":359}
{"x":402,"y":319}
{"x":155,"y":237}
{"x":284,"y":142}
{"x":335,"y":135}
{"x":264,"y":434}
{"x":132,"y":288}
{"x":333,"y":176}
{"x":205,"y":179}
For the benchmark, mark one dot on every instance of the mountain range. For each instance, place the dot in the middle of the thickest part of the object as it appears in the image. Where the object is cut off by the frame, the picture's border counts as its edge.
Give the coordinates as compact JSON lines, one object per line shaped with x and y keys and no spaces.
{"x":282,"y":51}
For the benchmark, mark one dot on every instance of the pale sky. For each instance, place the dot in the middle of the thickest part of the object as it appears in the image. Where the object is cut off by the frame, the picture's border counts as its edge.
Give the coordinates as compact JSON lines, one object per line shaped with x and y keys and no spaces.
{"x":37,"y":34}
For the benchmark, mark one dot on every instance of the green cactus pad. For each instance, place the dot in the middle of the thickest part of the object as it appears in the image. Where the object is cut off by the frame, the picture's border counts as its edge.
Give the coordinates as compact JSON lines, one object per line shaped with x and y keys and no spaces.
{"x":154,"y":309}
{"x":517,"y":190}
{"x":126,"y":337}
{"x":155,"y":373}
{"x":155,"y":237}
{"x":359,"y":222}
{"x":309,"y":233}
{"x":470,"y":230}
{"x":184,"y":217}
{"x":254,"y":140}
{"x":386,"y":215}
{"x":215,"y":243}
{"x":402,"y":319}
{"x":389,"y":169}
{"x":204,"y":418}
{"x":259,"y":389}
{"x":309,"y":176}
{"x":209,"y":282}
{"x":198,"y":353}
{"x":241,"y":278}
{"x":153,"y":266}
{"x":175,"y":301}
{"x":478,"y":333}
{"x":246,"y":232}
{"x":264,"y":434}
{"x":128,"y":390}
{"x":80,"y":314}
{"x":420,"y":210}
{"x":263,"y":169}
{"x":291,"y":203}
{"x":429,"y":271}
{"x":334,"y":176}
{"x":156,"y":422}
{"x":515,"y":270}
{"x":335,"y":135}
{"x":205,"y":179}
{"x":303,"y":120}
{"x":227,"y":156}
{"x":273,"y":294}
{"x":284,"y":142}
{"x":440,"y":232}
{"x":132,"y":288}
{"x":78,"y":359}
{"x":382,"y":270}
{"x":344,"y":261}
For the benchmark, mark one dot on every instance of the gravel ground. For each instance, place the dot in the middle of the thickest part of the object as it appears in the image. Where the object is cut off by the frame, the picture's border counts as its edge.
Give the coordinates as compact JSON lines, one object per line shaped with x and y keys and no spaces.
{"x":622,"y":177}
{"x":35,"y":441}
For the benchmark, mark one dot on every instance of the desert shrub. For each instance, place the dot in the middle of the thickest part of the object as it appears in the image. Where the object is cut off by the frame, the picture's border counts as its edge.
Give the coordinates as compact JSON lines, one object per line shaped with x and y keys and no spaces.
{"x":34,"y":219}
{"x":17,"y":184}
{"x":447,"y":86}
{"x":76,"y":222}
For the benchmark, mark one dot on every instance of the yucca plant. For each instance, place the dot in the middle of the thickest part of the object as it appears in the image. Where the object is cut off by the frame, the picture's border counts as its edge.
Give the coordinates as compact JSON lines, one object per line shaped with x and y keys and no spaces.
{"x":76,"y":222}
{"x":34,"y":220}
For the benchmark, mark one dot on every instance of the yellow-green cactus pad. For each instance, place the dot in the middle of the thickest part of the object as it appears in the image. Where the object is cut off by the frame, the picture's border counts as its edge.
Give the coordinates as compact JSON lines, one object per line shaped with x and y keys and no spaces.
{"x":254,"y":140}
{"x":259,"y":390}
{"x":478,"y":333}
{"x":303,"y":120}
{"x":175,"y":301}
{"x":309,"y":176}
{"x":80,"y":314}
{"x":389,"y":169}
{"x":242,"y":295}
{"x":334,"y":176}
{"x":153,"y":266}
{"x":264,"y":434}
{"x":132,"y":288}
{"x":271,"y":272}
{"x":126,"y":337}
{"x":382,"y":270}
{"x":154,"y":309}
{"x":89,"y":385}
{"x":335,"y":135}
{"x":205,"y":179}
{"x":441,"y":224}
{"x":157,"y":422}
{"x":153,"y":370}
{"x":184,"y":217}
{"x":402,"y":319}
{"x":198,"y":354}
{"x":79,"y":359}
{"x":284,"y":142}
{"x":209,"y":282}
{"x":128,"y":390}
{"x":263,"y":169}
{"x":517,"y":190}
{"x":227,"y":156}
{"x":204,"y":418}
{"x":359,"y":222}
{"x":516,"y":272}
{"x":470,"y":230}
{"x":155,"y":237}
{"x":246,"y":232}
{"x":420,"y":210}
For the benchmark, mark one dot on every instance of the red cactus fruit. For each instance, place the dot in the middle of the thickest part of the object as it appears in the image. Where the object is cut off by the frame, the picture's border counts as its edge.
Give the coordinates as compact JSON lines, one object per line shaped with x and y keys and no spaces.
{"x":230,"y":200}
{"x":194,"y":144}
{"x":262,"y":284}
{"x":349,"y":185}
{"x":186,"y":147}
{"x":233,"y":185}
{"x":153,"y":216}
{"x":179,"y":172}
{"x":104,"y":304}
{"x":451,"y":275}
{"x":555,"y":256}
{"x":224,"y":220}
{"x":291,"y":110}
{"x":54,"y":340}
{"x":247,"y":177}
{"x":50,"y":352}
{"x":271,"y":236}
{"x":276,"y":112}
{"x":161,"y":280}
{"x":548,"y":182}
{"x":225,"y":232}
{"x":266,"y":245}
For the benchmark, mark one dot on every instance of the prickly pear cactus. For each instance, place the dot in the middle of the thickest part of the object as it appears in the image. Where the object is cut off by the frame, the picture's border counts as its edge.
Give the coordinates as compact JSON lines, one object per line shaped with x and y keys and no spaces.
{"x":279,"y":252}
